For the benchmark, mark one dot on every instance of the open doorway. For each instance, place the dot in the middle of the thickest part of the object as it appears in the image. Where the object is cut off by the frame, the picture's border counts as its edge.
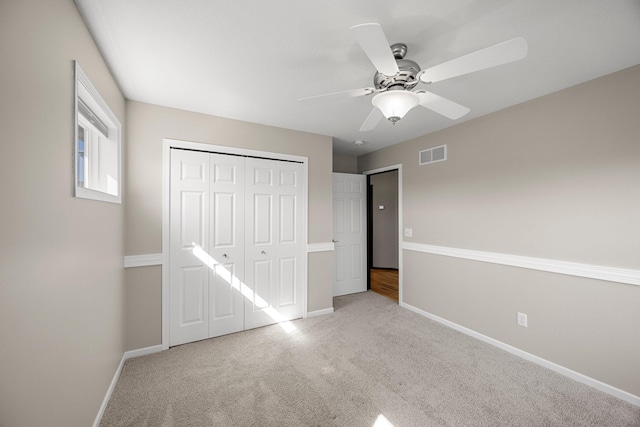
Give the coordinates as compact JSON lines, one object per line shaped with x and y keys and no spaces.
{"x":383,"y":229}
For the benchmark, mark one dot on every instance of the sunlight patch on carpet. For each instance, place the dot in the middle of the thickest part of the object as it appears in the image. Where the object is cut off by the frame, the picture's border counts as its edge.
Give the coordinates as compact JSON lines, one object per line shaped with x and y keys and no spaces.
{"x":382,"y":421}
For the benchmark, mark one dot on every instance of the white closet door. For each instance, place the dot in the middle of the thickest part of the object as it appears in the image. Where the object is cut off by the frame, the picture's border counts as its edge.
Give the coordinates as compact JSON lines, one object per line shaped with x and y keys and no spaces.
{"x":189,"y":235}
{"x":226,"y":245}
{"x":274,"y":241}
{"x":350,"y":233}
{"x":236,"y":244}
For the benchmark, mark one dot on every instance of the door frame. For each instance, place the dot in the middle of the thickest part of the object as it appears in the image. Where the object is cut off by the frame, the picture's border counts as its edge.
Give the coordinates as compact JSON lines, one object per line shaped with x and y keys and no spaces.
{"x":397,"y":167}
{"x":167,"y":145}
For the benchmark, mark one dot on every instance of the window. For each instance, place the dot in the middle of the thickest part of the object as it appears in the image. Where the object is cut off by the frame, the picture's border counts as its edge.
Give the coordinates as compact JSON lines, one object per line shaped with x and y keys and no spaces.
{"x":97,"y":144}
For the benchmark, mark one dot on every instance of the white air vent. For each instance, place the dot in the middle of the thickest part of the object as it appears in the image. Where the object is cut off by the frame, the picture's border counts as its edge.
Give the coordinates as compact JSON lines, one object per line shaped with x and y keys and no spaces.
{"x":432,"y":155}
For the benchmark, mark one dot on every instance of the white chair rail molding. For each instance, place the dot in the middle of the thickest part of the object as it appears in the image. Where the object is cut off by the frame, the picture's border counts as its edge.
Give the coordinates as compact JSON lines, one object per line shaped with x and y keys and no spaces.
{"x":611,"y":274}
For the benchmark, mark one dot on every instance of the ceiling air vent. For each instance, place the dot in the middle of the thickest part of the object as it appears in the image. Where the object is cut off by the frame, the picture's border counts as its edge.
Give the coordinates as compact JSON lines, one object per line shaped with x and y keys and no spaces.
{"x":432,"y":155}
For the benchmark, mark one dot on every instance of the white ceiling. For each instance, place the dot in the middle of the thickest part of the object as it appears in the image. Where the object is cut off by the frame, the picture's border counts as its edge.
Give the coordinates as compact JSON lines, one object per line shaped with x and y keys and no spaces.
{"x":252,"y":60}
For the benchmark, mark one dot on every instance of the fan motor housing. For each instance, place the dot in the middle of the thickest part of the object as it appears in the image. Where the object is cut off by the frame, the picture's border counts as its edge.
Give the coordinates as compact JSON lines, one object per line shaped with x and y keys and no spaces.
{"x":406,"y":78}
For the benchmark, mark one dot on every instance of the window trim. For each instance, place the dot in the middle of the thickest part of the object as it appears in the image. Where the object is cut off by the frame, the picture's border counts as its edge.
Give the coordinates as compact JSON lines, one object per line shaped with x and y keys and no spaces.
{"x":97,"y":104}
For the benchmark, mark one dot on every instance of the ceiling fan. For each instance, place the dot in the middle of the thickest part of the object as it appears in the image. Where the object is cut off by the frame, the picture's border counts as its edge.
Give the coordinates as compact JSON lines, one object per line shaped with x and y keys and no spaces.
{"x":397,"y":78}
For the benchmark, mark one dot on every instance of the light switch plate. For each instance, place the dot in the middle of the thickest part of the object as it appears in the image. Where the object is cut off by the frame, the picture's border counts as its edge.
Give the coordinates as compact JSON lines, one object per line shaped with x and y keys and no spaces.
{"x":408,"y":232}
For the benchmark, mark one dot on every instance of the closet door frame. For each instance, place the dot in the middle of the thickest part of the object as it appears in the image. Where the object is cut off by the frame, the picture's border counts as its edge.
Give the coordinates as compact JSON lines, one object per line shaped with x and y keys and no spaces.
{"x":167,"y":145}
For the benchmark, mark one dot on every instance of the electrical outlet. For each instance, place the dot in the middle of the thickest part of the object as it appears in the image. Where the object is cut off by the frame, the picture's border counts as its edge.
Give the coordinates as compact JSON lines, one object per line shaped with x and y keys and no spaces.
{"x":408,"y":232}
{"x":522,"y":319}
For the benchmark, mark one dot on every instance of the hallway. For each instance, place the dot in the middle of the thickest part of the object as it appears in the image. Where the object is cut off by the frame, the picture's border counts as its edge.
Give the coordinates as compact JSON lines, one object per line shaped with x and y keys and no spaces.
{"x":384,"y":281}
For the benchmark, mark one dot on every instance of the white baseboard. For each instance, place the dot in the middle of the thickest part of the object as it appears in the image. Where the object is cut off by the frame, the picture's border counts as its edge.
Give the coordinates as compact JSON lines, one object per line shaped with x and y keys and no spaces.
{"x":320,"y":312}
{"x":127,"y":355}
{"x":581,"y":378}
{"x":112,"y":386}
{"x":142,"y":351}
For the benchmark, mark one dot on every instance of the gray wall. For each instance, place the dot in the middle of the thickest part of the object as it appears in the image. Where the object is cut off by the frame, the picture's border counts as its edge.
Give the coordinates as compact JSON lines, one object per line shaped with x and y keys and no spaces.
{"x":148,"y":125}
{"x":61,"y":273}
{"x":556,"y":178}
{"x":385,"y":221}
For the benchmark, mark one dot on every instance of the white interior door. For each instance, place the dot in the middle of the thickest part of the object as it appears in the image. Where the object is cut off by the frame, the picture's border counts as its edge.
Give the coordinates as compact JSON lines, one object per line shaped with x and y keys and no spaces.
{"x":274,"y":242}
{"x":350,"y":233}
{"x":236,"y":244}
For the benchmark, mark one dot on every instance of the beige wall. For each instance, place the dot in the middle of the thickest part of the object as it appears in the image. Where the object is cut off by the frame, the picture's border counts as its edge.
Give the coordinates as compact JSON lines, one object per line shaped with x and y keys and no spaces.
{"x":148,"y":126}
{"x":143,"y":307}
{"x":345,"y":163}
{"x":555,"y":178}
{"x":61,"y":275}
{"x":320,"y":265}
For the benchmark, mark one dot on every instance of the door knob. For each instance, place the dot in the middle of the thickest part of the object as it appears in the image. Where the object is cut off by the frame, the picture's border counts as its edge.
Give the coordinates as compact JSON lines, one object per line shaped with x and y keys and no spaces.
{"x":225,"y":256}
{"x":263,"y":253}
{"x":334,"y":241}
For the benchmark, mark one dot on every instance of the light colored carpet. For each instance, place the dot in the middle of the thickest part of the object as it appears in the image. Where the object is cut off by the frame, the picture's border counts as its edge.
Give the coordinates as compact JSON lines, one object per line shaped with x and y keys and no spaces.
{"x":370,"y":357}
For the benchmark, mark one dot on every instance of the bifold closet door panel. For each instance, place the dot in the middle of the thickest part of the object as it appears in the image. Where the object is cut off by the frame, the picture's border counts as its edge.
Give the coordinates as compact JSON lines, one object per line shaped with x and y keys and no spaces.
{"x":189,"y":237}
{"x":274,"y":241}
{"x":226,"y":275}
{"x":291,"y":239}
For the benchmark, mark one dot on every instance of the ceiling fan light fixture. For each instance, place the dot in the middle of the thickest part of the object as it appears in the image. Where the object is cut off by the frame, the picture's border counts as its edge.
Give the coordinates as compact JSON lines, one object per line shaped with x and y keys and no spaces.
{"x":395,"y":104}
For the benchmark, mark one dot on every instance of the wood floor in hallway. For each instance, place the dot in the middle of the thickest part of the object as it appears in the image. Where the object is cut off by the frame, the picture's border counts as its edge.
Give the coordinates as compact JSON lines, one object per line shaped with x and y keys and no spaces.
{"x":384,"y":281}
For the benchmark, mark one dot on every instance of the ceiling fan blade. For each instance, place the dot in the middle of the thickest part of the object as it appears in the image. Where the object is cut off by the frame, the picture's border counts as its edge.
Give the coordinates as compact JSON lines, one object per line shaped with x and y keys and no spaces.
{"x":442,"y":105}
{"x":501,"y":53}
{"x":372,"y":120}
{"x":344,"y":94}
{"x":374,"y":43}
